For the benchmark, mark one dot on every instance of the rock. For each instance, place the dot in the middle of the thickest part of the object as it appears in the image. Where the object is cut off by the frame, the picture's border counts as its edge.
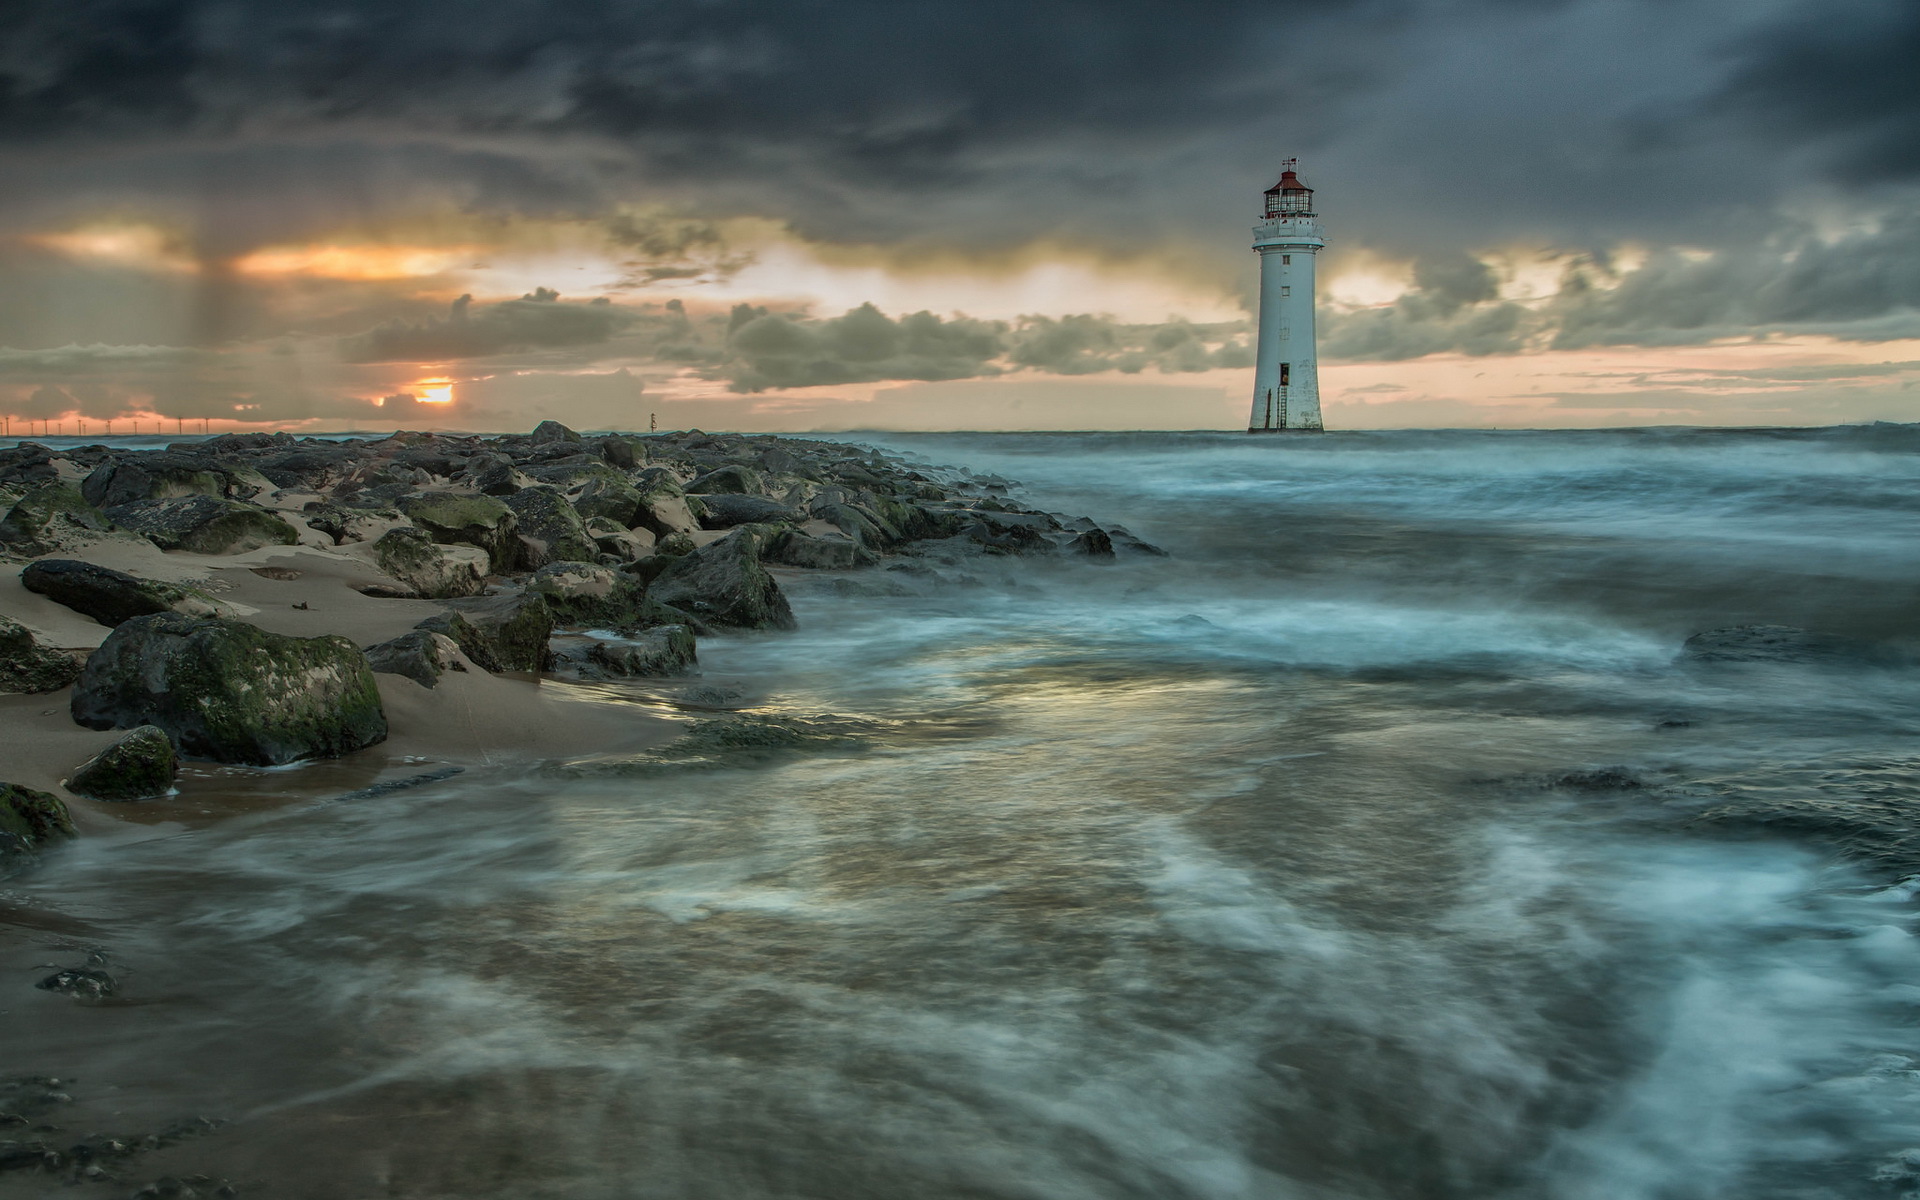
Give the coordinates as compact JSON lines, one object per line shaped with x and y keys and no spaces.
{"x":515,"y":625}
{"x":627,"y":545}
{"x":432,"y":570}
{"x":477,"y":646}
{"x":553,"y":431}
{"x":84,"y":983}
{"x":664,"y":510}
{"x":231,"y":692}
{"x":623,"y":453}
{"x":862,"y":526}
{"x":551,"y":530}
{"x":1771,"y":643}
{"x":610,"y":497}
{"x":587,"y":594}
{"x":204,"y":524}
{"x":28,"y":667}
{"x":727,"y":511}
{"x":30,"y":819}
{"x":419,"y":654}
{"x":724,"y":583}
{"x":451,"y":518}
{"x":155,"y":475}
{"x":345,"y":524}
{"x":110,"y":596}
{"x":141,"y":764}
{"x":495,"y":475}
{"x":49,"y":517}
{"x":733,"y":478}
{"x":664,"y":650}
{"x":1013,"y":533}
{"x":1094,"y":543}
{"x":794,"y":548}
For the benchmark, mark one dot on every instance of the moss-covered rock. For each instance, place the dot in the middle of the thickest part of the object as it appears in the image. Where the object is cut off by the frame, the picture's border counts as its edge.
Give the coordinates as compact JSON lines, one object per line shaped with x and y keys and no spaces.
{"x":110,"y":596}
{"x":724,"y":583}
{"x":735,"y":479}
{"x":344,"y":523}
{"x":622,"y":452}
{"x":611,"y":497}
{"x":28,"y":667}
{"x":139,"y":765}
{"x":435,"y":571}
{"x":550,"y":528}
{"x":231,"y":692}
{"x":155,"y":475}
{"x":662,"y":651}
{"x":664,"y":508}
{"x":553,"y":431}
{"x":589,"y":595}
{"x":793,"y":548}
{"x":204,"y":524}
{"x":454,"y":518}
{"x":516,"y":627}
{"x":420,"y":654}
{"x":50,"y":516}
{"x":477,"y":646}
{"x":30,"y":819}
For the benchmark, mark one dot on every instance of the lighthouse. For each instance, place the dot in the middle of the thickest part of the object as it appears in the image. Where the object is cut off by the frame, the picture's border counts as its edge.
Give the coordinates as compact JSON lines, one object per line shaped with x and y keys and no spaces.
{"x":1286,"y":383}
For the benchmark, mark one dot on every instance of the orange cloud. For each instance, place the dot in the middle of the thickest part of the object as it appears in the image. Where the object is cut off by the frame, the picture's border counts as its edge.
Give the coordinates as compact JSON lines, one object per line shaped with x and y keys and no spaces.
{"x":359,"y":262}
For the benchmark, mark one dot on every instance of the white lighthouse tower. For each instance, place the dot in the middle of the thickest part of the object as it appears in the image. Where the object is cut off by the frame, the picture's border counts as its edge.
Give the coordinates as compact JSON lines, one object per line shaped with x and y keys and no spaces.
{"x":1286,"y":382}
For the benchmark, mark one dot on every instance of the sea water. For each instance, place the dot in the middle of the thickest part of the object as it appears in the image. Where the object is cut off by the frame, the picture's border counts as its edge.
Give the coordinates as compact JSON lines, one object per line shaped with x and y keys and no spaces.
{"x":1362,"y":847}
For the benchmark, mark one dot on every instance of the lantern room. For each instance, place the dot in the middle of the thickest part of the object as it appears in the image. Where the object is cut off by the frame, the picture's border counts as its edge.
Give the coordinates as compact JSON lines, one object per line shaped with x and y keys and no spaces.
{"x":1289,"y":197}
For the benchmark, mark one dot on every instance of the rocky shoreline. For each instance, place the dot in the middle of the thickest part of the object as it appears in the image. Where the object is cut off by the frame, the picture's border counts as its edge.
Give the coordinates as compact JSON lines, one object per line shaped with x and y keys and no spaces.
{"x":258,"y":600}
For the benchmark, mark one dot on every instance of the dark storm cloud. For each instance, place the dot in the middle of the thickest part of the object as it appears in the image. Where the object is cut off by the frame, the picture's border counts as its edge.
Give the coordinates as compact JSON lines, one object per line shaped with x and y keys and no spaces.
{"x":1844,"y":77}
{"x":537,"y":321}
{"x":1863,"y":286}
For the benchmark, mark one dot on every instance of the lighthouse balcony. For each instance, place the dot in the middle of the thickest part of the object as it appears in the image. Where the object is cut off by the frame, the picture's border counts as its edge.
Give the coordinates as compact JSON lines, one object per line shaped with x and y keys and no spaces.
{"x":1288,"y":231}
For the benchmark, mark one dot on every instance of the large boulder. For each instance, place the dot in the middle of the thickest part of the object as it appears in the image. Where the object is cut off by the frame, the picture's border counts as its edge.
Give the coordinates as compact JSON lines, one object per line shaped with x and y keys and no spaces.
{"x":514,"y":625}
{"x":50,"y":516}
{"x":732,"y":478}
{"x":452,"y":518}
{"x":345,"y":523}
{"x":30,"y":819}
{"x":553,"y":431}
{"x":622,"y":452}
{"x":230,"y":691}
{"x":550,"y":528}
{"x":587,"y":594}
{"x":664,"y":509}
{"x":204,"y":524}
{"x":611,"y":497}
{"x":110,"y":596}
{"x":476,"y":645}
{"x":664,"y":650}
{"x":432,"y":570}
{"x":27,"y":666}
{"x":419,"y":654}
{"x":141,"y":764}
{"x":627,"y":545}
{"x":155,"y":475}
{"x":725,"y":510}
{"x":495,"y":475}
{"x":862,"y":525}
{"x":794,"y":548}
{"x":725,"y":584}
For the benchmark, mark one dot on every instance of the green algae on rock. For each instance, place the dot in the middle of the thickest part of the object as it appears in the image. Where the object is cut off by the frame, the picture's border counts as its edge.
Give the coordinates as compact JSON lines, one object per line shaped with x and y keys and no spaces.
{"x":28,"y":667}
{"x":139,"y":765}
{"x":231,"y":692}
{"x":204,"y":524}
{"x":453,"y":518}
{"x":433,"y":570}
{"x":724,"y":583}
{"x":30,"y":819}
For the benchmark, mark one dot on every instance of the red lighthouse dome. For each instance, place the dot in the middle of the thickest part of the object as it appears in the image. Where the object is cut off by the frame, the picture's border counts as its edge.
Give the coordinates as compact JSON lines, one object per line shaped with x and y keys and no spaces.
{"x":1290,"y":197}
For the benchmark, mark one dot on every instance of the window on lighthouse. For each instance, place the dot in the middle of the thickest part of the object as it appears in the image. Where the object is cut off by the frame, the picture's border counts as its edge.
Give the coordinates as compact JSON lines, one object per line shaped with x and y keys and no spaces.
{"x":1286,"y":291}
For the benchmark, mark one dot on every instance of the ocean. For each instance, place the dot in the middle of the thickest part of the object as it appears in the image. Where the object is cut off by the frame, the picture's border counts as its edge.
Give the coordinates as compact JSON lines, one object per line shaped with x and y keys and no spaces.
{"x":1379,"y":842}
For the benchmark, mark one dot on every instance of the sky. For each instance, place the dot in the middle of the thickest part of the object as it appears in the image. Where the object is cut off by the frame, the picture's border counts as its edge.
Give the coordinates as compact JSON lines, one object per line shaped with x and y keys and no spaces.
{"x":810,"y":215}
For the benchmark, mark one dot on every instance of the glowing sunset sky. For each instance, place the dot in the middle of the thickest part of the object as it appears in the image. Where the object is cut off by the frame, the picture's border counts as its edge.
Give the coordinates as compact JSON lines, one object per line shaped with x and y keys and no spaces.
{"x":945,"y":215}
